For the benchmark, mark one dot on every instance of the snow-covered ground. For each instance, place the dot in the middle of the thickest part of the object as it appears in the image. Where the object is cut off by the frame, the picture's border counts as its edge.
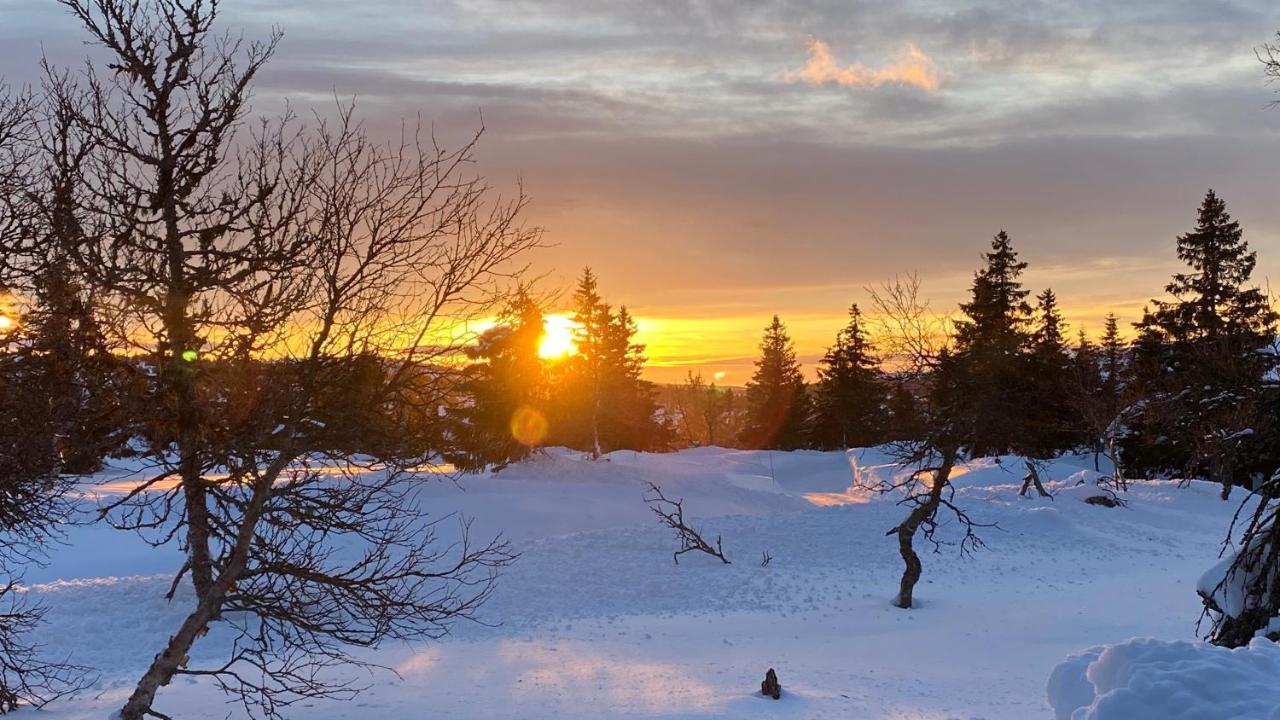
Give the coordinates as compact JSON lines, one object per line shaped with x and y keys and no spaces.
{"x":597,"y":622}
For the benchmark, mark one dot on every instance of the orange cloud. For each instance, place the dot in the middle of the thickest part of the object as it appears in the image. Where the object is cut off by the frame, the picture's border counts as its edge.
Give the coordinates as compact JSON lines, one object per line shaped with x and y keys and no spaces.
{"x":911,"y":67}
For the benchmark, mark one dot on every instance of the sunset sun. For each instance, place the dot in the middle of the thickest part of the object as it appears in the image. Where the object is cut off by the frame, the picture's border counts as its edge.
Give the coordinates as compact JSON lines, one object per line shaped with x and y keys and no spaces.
{"x":557,"y":338}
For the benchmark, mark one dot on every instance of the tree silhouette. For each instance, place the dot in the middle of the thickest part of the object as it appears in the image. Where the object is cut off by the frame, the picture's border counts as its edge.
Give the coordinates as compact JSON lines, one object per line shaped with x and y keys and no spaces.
{"x":1201,"y":357}
{"x":507,"y":391}
{"x":777,"y":406}
{"x":850,"y":393}
{"x":990,"y":341}
{"x":282,"y":286}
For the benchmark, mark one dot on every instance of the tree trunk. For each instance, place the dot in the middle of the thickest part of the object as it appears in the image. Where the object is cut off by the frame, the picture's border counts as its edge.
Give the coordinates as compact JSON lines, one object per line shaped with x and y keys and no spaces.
{"x":907,"y":531}
{"x":172,"y":658}
{"x":208,"y":606}
{"x":1033,"y":477}
{"x":1221,"y":471}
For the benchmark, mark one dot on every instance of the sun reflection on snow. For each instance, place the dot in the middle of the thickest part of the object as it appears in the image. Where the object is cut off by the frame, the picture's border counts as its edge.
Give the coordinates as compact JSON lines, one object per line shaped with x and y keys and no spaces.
{"x":571,"y":670}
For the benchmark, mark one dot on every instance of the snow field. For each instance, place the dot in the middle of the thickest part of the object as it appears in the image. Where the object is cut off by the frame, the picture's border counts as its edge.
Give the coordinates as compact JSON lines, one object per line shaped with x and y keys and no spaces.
{"x":595,"y":621}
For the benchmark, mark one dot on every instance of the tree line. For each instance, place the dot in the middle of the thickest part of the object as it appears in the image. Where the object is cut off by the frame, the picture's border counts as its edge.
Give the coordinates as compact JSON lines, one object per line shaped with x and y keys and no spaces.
{"x":1188,"y":395}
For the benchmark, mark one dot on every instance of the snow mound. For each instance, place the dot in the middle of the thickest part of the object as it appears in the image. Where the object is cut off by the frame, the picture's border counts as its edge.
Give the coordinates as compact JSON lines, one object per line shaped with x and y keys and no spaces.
{"x":1147,"y":679}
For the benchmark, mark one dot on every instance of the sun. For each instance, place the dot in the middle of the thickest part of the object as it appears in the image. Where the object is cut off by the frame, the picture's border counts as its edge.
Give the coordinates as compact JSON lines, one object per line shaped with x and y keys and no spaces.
{"x":557,"y":338}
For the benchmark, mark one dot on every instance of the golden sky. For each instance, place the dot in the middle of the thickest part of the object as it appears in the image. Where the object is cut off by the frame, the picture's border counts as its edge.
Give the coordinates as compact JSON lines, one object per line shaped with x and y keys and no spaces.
{"x":719,"y":161}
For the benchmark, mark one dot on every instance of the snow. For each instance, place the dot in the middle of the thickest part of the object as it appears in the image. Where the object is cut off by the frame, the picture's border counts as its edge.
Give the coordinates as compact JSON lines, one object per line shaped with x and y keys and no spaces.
{"x":1147,"y":679}
{"x":1227,"y":585}
{"x":595,"y":621}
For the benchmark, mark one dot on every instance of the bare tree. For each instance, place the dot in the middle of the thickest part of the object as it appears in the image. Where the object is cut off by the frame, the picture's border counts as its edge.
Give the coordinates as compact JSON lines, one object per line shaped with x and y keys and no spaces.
{"x":298,"y":295}
{"x":915,"y":340}
{"x":671,"y":514}
{"x":1269,"y":56}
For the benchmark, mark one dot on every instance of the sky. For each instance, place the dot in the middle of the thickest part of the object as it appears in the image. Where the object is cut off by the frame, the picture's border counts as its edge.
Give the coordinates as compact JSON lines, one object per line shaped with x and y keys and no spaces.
{"x":720,"y":161}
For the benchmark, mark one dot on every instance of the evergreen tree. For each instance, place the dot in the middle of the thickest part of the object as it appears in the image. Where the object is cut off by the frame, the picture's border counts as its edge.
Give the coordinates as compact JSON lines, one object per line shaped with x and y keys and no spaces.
{"x":629,"y":402}
{"x":777,"y":404}
{"x":1052,"y":425}
{"x":602,"y":402}
{"x":1112,"y":365}
{"x":506,"y":387}
{"x":1202,"y":356}
{"x":850,"y":394}
{"x":991,"y":341}
{"x":720,"y":414}
{"x":905,"y":421}
{"x":1086,"y":398}
{"x":1212,"y":301}
{"x":76,"y":386}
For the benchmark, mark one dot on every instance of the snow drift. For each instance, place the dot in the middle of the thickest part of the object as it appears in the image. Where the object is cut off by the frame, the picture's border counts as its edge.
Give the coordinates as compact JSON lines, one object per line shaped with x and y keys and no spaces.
{"x":1146,"y":679}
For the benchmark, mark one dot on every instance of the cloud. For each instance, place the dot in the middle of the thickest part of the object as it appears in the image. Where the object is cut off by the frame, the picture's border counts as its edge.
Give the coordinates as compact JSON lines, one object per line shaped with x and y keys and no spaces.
{"x":911,"y":67}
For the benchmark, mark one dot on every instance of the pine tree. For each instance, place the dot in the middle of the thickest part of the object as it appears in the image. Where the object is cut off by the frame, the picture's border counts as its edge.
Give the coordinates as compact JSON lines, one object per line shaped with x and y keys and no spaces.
{"x":850,"y":393}
{"x":1201,"y":358}
{"x":1052,"y":426}
{"x":602,"y":402}
{"x":777,"y":404}
{"x":629,"y":420}
{"x":580,"y":392}
{"x":990,"y":344}
{"x":905,"y":421}
{"x":1212,"y":302}
{"x":505,"y":417}
{"x":719,"y":413}
{"x":1112,"y":365}
{"x":81,"y":389}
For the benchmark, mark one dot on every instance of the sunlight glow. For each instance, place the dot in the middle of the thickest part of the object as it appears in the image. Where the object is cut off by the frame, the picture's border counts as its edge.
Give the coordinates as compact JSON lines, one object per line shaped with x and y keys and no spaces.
{"x":557,"y":338}
{"x":5,"y":323}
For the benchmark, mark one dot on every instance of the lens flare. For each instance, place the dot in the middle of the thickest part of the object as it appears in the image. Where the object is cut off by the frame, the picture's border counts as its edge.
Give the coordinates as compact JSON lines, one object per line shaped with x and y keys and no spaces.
{"x":528,"y":426}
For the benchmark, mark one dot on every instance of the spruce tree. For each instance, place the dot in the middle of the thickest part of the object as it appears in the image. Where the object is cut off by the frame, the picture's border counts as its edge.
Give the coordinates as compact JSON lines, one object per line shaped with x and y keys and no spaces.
{"x":905,"y":421}
{"x":1201,"y":358}
{"x":629,"y":402}
{"x":720,"y":414}
{"x":506,"y":387}
{"x":1212,"y":301}
{"x":777,"y":404}
{"x":1112,"y":364}
{"x":991,"y":341}
{"x":602,"y":402}
{"x":849,"y":396}
{"x":1051,"y":423}
{"x":1085,"y":395}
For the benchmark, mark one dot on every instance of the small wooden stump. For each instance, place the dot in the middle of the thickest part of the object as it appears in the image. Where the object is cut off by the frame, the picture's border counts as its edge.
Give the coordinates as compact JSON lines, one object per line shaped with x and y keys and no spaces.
{"x":770,"y":685}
